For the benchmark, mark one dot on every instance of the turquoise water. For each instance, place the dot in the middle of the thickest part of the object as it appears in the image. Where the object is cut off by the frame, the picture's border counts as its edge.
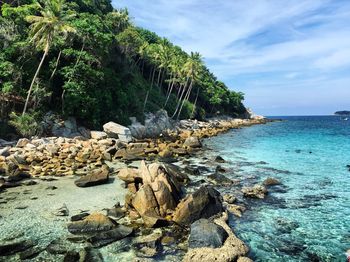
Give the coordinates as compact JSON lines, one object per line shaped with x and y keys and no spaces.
{"x":308,"y":218}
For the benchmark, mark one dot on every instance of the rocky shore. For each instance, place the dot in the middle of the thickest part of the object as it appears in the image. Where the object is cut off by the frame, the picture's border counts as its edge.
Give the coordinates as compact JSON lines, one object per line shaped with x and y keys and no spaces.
{"x":166,"y":211}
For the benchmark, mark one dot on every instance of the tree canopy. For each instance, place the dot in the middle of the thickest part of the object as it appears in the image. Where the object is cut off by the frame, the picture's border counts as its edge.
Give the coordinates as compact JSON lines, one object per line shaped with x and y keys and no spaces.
{"x":86,"y":59}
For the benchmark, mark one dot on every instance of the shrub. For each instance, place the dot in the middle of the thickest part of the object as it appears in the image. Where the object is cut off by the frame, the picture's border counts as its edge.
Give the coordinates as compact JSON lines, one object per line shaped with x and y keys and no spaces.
{"x":26,"y":125}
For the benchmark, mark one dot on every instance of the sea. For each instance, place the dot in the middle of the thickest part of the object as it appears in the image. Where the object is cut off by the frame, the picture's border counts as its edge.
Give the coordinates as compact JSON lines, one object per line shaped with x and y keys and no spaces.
{"x":307,"y":217}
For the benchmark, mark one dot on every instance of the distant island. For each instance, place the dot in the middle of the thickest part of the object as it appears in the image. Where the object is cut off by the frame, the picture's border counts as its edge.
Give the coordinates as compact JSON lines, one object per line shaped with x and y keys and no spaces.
{"x":342,"y":113}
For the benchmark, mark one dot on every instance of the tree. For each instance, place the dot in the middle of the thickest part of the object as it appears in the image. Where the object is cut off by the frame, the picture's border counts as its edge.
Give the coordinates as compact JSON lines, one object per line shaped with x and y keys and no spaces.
{"x":50,"y":24}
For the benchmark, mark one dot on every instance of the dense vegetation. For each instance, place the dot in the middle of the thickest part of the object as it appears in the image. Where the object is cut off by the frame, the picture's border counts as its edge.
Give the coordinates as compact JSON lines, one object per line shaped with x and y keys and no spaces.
{"x":85,"y":59}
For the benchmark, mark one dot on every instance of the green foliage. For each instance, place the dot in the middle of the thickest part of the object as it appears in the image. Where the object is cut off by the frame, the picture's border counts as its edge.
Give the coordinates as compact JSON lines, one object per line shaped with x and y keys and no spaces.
{"x":104,"y":70}
{"x":25,"y":124}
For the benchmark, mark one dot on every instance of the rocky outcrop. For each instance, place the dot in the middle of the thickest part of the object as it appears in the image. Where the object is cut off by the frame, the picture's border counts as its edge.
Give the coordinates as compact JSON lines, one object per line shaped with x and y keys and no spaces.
{"x":204,"y":203}
{"x":96,"y":177}
{"x":155,"y":125}
{"x":257,"y":191}
{"x":270,"y":181}
{"x":232,"y":249}
{"x":120,"y":132}
{"x":205,"y":233}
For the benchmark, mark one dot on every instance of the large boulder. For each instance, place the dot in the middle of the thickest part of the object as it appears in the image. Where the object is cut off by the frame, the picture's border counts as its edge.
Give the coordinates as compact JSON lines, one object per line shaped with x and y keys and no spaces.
{"x":130,"y":175}
{"x":204,"y":203}
{"x":205,"y":233}
{"x":257,"y":191}
{"x":98,"y":135}
{"x":96,"y":222}
{"x":96,"y":177}
{"x":192,"y":142}
{"x":155,"y":125}
{"x":115,"y":130}
{"x":145,"y":202}
{"x":107,"y":237}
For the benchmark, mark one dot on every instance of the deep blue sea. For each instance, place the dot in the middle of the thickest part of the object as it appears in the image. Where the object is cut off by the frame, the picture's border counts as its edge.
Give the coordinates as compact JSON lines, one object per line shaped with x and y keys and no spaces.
{"x":308,"y":217}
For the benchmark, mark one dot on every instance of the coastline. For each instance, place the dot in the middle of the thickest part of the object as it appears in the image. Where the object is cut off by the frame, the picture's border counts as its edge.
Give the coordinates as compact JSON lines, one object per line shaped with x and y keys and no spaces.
{"x":176,"y":147}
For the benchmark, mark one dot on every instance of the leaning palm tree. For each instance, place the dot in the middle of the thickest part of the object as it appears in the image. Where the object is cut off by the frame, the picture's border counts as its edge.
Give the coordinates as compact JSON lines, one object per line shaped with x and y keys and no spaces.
{"x":45,"y":28}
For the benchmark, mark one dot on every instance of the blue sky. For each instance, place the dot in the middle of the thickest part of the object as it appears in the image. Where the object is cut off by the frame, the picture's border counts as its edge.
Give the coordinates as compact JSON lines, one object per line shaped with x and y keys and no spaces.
{"x":288,"y":57}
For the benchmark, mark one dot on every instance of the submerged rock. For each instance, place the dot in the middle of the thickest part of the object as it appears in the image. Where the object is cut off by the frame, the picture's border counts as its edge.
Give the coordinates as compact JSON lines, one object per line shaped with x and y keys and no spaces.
{"x":96,"y":177}
{"x":107,"y":237}
{"x":14,"y":246}
{"x":89,"y":254}
{"x":204,"y":203}
{"x":219,"y":159}
{"x":271,"y":181}
{"x":62,"y":211}
{"x":93,"y":223}
{"x":206,"y":234}
{"x":257,"y":191}
{"x":220,"y":179}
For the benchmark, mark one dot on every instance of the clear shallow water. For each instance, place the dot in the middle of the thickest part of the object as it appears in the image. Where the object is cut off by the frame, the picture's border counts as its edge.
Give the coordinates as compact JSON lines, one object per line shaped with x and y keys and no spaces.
{"x":307,"y":219}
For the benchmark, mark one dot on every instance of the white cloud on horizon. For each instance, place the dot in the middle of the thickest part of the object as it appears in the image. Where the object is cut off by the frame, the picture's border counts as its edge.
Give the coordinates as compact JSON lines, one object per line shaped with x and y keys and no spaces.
{"x":253,"y":45}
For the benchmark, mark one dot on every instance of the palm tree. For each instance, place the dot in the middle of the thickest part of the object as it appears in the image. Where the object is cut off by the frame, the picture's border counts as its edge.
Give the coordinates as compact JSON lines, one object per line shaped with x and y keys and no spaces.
{"x":193,"y":66}
{"x":45,"y":28}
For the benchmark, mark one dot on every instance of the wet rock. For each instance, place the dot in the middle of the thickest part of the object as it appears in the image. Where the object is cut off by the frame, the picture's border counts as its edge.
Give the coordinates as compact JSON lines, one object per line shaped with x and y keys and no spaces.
{"x":220,"y":169}
{"x":192,"y":142}
{"x":236,"y":209}
{"x":29,"y":183}
{"x":116,"y":212}
{"x":30,"y":253}
{"x":219,"y":159}
{"x":5,"y":151}
{"x":230,"y":199}
{"x":57,"y":247}
{"x":204,"y":203}
{"x":285,"y":226}
{"x":93,"y":223}
{"x":154,"y":222}
{"x":89,"y":254}
{"x":219,"y":179}
{"x":21,"y":207}
{"x":231,"y":250}
{"x":14,"y":246}
{"x":96,"y":177}
{"x":62,"y":211}
{"x":107,"y":237}
{"x":206,"y":234}
{"x":2,"y":182}
{"x":193,"y":171}
{"x":18,"y":176}
{"x":51,"y":188}
{"x":71,"y":256}
{"x":270,"y":181}
{"x":114,"y":130}
{"x":257,"y":191}
{"x":98,"y":135}
{"x":148,"y":245}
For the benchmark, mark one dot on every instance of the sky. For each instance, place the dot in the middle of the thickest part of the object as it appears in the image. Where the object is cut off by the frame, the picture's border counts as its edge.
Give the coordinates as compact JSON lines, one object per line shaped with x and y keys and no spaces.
{"x":288,"y":57}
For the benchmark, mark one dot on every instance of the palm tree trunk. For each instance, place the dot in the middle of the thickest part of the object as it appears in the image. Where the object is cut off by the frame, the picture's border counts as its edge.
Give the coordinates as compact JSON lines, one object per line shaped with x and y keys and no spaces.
{"x":169,"y":93}
{"x":158,"y":80}
{"x":34,"y":78}
{"x":180,"y":98}
{"x":186,"y":98}
{"x":195,"y":102}
{"x":54,"y":71}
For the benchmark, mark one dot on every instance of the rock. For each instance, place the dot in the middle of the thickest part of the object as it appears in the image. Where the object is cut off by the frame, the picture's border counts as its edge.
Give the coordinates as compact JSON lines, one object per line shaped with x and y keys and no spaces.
{"x":155,"y":125}
{"x":219,"y":179}
{"x":89,"y":254}
{"x":192,"y":142}
{"x":148,"y":245}
{"x":154,"y":222}
{"x":257,"y":191}
{"x":78,"y":217}
{"x":22,"y":142}
{"x":270,"y":181}
{"x":2,"y":182}
{"x":244,"y":259}
{"x":235,"y":209}
{"x":116,"y":212}
{"x":145,"y":202}
{"x":130,"y":175}
{"x":57,"y":247}
{"x":14,"y":246}
{"x":98,"y":135}
{"x":71,"y":256}
{"x":107,"y":237}
{"x":18,"y":176}
{"x":62,"y":211}
{"x":96,"y":177}
{"x":93,"y":223}
{"x":114,"y":130}
{"x":5,"y":151}
{"x":232,"y":249}
{"x":206,"y":234}
{"x":30,"y":253}
{"x":219,"y":159}
{"x":230,"y":199}
{"x":204,"y":203}
{"x":51,"y":188}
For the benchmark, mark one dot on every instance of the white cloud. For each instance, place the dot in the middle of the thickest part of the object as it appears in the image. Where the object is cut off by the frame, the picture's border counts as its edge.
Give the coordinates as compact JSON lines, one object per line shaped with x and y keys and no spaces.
{"x":270,"y":41}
